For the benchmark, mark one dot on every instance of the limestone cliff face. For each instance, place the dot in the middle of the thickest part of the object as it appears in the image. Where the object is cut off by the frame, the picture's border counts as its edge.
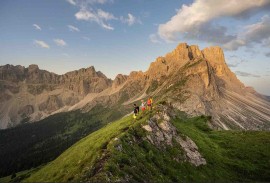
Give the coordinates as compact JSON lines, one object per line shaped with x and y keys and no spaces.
{"x":31,"y":94}
{"x":195,"y":81}
{"x":199,"y":82}
{"x":119,"y":80}
{"x":85,"y":81}
{"x":215,"y":56}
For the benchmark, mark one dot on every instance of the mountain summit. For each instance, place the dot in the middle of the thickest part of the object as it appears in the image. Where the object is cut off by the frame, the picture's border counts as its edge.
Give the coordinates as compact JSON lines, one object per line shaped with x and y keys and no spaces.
{"x":195,"y":81}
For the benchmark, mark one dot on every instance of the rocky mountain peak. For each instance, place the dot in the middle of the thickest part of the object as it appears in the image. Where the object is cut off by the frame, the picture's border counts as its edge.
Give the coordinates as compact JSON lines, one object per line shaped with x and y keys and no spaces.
{"x":198,"y":82}
{"x":194,"y":52}
{"x":119,"y":79}
{"x":38,"y":93}
{"x":90,"y":70}
{"x":12,"y":73}
{"x":136,"y":75}
{"x":181,"y":53}
{"x":181,"y":46}
{"x":214,"y":54}
{"x":33,"y":68}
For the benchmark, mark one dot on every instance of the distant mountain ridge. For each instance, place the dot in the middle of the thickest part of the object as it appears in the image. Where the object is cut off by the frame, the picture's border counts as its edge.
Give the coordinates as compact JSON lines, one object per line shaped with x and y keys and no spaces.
{"x":194,"y":81}
{"x":32,"y":94}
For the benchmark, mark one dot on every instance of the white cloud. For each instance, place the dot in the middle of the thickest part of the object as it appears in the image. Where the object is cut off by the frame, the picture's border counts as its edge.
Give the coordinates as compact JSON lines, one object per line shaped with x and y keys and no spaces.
{"x":105,"y":15}
{"x":234,"y":44}
{"x":37,"y":27}
{"x":88,"y":12}
{"x":100,"y":17}
{"x":73,"y":28}
{"x":130,"y":20}
{"x":189,"y":20}
{"x":72,"y":2}
{"x":85,"y":3}
{"x":254,"y":33}
{"x":85,"y":15}
{"x":259,"y":31}
{"x":41,"y":44}
{"x":60,"y":42}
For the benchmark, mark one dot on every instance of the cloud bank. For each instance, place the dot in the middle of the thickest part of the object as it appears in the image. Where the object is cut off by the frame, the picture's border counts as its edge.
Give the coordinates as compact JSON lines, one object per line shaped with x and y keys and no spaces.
{"x":254,"y":33}
{"x":196,"y":21}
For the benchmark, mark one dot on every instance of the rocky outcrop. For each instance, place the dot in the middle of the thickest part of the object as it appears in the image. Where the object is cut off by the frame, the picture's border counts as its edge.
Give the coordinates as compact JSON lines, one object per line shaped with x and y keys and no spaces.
{"x":53,"y":103}
{"x":161,"y":133}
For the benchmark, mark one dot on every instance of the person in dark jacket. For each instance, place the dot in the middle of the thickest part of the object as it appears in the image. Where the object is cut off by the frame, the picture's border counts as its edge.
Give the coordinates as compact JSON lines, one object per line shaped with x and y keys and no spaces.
{"x":136,"y":111}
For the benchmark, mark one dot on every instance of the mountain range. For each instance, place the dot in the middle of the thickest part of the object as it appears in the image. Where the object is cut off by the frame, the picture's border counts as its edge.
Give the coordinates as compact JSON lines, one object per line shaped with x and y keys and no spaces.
{"x":197,"y":82}
{"x":205,"y":124}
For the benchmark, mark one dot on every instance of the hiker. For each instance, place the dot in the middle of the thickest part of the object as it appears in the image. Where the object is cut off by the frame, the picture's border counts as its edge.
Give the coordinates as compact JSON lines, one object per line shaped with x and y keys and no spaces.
{"x":149,"y":103}
{"x":136,"y":111}
{"x":143,"y":106}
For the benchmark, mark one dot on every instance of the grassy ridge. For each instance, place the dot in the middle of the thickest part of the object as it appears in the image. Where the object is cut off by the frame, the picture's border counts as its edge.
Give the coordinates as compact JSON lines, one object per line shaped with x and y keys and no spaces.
{"x":230,"y":155}
{"x":80,"y":158}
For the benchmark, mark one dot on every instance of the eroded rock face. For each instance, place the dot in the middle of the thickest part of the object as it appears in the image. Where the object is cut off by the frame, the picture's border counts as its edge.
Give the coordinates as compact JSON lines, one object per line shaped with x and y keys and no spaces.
{"x":214,"y":55}
{"x":195,"y":52}
{"x":53,"y":103}
{"x":26,"y":111}
{"x":200,"y":83}
{"x":34,"y":93}
{"x":12,"y":73}
{"x":191,"y":149}
{"x":194,"y":81}
{"x":119,"y":80}
{"x":161,"y":133}
{"x":85,"y":81}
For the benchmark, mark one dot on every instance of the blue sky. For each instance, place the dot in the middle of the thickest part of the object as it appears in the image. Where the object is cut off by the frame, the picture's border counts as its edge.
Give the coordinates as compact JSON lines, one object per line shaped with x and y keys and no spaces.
{"x":119,"y":36}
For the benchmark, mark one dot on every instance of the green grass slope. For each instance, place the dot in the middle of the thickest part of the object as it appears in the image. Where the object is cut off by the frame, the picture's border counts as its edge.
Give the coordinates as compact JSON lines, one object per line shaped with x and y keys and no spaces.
{"x":80,"y":158}
{"x":120,"y":152}
{"x":31,"y":145}
{"x":230,"y":156}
